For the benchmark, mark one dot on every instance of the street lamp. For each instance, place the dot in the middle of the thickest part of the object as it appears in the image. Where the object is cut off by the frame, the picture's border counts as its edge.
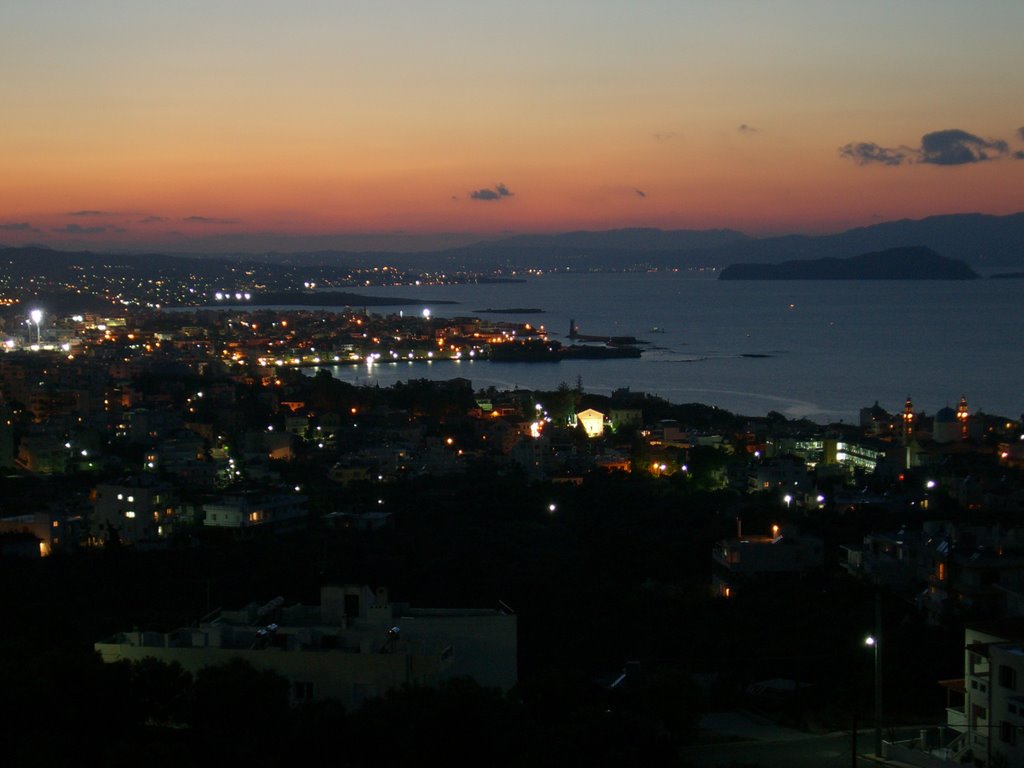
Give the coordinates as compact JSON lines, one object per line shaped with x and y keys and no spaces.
{"x":874,"y":643}
{"x":37,"y":316}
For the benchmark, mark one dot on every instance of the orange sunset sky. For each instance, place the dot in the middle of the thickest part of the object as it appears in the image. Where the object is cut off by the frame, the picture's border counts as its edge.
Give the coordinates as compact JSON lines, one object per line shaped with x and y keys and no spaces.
{"x":156,"y":125}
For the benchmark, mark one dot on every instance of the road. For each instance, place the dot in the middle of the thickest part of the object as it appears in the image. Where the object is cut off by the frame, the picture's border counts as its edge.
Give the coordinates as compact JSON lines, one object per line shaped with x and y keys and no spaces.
{"x":769,"y":747}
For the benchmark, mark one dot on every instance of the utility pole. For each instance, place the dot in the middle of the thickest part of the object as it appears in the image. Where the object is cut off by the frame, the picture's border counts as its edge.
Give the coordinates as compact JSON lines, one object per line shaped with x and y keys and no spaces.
{"x":878,"y":673}
{"x":853,"y":735}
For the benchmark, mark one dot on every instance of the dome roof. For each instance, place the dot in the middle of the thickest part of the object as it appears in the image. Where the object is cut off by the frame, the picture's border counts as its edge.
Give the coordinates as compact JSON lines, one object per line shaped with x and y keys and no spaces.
{"x":945,"y":416}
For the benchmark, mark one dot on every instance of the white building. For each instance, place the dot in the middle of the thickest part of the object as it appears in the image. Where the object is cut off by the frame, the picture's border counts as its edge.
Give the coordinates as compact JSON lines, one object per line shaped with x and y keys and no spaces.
{"x":246,"y":510}
{"x":355,"y":645}
{"x":987,"y":706}
{"x":592,"y":421}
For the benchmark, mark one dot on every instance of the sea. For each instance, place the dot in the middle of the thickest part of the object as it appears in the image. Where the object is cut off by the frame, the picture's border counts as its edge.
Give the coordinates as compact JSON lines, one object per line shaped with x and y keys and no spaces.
{"x":819,"y":350}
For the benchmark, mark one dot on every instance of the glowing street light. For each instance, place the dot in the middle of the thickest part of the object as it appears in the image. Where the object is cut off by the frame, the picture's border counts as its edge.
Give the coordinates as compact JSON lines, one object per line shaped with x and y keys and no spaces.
{"x":874,"y":641}
{"x":37,"y":317}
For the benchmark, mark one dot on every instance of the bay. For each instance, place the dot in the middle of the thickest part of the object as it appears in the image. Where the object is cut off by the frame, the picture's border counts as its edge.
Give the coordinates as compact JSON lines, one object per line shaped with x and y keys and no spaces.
{"x":814,"y":349}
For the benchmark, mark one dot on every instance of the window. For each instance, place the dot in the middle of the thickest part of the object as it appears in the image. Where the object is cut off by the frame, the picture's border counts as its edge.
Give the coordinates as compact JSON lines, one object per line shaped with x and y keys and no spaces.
{"x":1007,"y":732}
{"x":1007,"y":677}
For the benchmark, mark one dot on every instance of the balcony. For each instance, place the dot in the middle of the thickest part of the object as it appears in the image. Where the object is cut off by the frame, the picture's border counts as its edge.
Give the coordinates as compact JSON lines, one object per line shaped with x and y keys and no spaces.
{"x":956,"y":718}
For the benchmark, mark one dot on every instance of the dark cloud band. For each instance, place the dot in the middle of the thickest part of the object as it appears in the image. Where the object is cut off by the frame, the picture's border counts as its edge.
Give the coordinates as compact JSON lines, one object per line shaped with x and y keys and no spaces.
{"x":496,"y":193}
{"x":75,"y":229}
{"x":947,"y":147}
{"x":868,"y":153}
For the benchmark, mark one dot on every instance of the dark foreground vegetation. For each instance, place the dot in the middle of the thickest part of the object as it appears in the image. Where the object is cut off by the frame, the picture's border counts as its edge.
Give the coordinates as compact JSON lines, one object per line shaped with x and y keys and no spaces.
{"x":617,"y":577}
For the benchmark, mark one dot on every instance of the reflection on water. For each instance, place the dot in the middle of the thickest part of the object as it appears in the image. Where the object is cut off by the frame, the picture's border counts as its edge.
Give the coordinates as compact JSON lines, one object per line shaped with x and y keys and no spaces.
{"x":820,"y":349}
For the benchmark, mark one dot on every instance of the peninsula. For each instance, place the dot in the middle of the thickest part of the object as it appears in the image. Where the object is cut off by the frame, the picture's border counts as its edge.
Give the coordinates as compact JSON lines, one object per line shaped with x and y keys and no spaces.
{"x":325,"y":299}
{"x":510,"y":311}
{"x":907,"y":263}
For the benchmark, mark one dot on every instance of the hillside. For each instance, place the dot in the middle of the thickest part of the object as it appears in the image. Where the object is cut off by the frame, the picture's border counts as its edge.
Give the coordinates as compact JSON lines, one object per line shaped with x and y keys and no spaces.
{"x":914,"y":263}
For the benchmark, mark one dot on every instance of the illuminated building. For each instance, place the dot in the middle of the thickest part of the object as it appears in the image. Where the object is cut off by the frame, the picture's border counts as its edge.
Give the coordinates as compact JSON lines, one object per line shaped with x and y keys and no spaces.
{"x":908,"y":420}
{"x":854,"y":454}
{"x":592,"y":421}
{"x":133,"y":511}
{"x":909,"y":447}
{"x":963,"y":416}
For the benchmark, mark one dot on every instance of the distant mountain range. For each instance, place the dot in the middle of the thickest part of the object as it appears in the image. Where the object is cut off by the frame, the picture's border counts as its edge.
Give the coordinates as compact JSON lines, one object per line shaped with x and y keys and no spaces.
{"x":915,"y":263}
{"x":987,"y":243}
{"x":982,"y":241}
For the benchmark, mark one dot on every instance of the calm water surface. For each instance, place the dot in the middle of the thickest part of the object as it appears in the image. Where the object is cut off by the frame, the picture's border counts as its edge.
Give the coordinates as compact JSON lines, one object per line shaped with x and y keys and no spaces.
{"x":820,"y":349}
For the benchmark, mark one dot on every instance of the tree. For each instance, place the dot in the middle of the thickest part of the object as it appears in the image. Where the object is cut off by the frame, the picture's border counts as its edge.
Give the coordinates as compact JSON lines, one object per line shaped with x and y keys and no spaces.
{"x":160,"y":691}
{"x":238,"y":708}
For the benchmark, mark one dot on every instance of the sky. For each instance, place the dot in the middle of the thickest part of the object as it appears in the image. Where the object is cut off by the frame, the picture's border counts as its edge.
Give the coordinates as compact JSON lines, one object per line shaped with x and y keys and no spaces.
{"x":266,"y":125}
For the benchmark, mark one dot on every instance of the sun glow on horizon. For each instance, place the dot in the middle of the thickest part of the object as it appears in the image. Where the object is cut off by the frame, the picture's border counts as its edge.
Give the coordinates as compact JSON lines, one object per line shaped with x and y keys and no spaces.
{"x":141,"y":123}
